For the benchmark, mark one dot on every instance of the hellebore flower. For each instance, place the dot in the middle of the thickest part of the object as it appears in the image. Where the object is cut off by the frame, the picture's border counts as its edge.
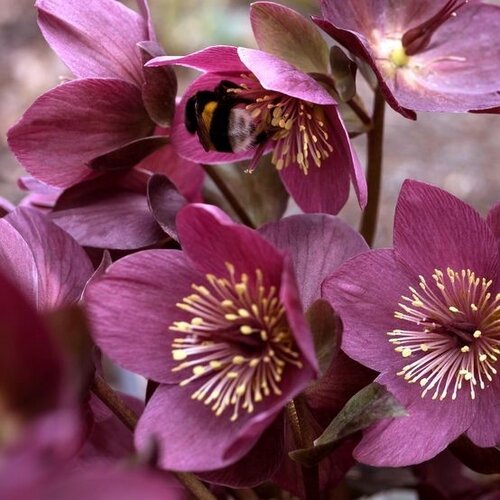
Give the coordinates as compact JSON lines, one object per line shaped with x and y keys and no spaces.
{"x":219,"y":325}
{"x":237,"y":341}
{"x":428,"y":55}
{"x":425,"y":314}
{"x":280,"y":107}
{"x":113,"y":116}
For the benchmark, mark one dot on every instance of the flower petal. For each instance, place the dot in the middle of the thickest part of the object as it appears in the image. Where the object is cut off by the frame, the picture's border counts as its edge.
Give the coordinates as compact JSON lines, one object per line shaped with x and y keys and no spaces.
{"x":317,"y":245}
{"x":216,"y":59}
{"x":56,"y":267}
{"x":86,"y":38}
{"x":132,"y":306}
{"x":435,"y":230}
{"x":110,"y":211}
{"x":369,"y":285}
{"x":285,"y":33}
{"x":275,"y":74}
{"x":75,"y":122}
{"x":427,"y":430}
{"x":493,"y":221}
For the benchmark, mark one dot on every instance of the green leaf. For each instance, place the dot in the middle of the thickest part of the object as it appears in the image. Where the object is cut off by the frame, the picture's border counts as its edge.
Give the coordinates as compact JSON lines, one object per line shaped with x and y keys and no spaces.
{"x":369,"y":405}
{"x":326,"y":329}
{"x":290,"y":36}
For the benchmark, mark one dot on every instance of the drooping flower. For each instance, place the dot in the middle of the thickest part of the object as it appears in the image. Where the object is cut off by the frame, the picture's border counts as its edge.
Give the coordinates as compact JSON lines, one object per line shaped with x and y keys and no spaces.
{"x":112,"y":118}
{"x":283,"y":108}
{"x":428,"y":55}
{"x":221,"y":328}
{"x":426,"y":316}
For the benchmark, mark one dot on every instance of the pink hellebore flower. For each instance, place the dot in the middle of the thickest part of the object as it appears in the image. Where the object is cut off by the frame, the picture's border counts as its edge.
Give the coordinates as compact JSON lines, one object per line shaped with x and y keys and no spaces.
{"x":282,"y":108}
{"x":112,"y":118}
{"x":430,"y":55}
{"x":238,"y":340}
{"x":426,"y":316}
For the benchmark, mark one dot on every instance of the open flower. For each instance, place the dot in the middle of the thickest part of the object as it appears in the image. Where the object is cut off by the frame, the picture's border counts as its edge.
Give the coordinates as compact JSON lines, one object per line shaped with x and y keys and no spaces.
{"x":426,"y":316}
{"x":219,"y":325}
{"x":280,"y":107}
{"x":112,"y":118}
{"x":427,"y":55}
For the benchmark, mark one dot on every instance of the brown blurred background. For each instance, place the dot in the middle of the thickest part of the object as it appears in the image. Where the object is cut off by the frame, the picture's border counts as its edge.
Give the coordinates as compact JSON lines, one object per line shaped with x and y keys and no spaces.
{"x":460,"y":153}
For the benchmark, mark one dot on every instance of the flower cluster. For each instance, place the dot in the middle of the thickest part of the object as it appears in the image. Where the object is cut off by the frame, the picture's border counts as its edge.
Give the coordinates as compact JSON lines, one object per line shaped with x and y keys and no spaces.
{"x":277,"y":352}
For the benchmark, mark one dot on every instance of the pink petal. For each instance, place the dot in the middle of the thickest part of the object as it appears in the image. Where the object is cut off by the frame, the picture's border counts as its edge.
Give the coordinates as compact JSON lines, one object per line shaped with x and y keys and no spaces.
{"x":278,"y":75}
{"x":426,"y":431}
{"x":435,"y":230}
{"x":216,"y":59}
{"x":493,"y":221}
{"x":75,"y":122}
{"x":95,"y":38}
{"x":131,"y":315}
{"x":49,"y":265}
{"x":317,"y":245}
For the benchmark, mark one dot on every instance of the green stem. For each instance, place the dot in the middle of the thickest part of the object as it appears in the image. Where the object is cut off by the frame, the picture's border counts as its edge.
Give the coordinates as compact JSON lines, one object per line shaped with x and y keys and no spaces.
{"x":304,"y":438}
{"x":111,"y":399}
{"x":228,"y":194}
{"x":374,"y":170}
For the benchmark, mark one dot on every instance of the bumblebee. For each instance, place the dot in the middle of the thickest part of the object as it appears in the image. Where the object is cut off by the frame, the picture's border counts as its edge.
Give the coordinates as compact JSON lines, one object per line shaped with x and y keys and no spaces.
{"x":221,"y":120}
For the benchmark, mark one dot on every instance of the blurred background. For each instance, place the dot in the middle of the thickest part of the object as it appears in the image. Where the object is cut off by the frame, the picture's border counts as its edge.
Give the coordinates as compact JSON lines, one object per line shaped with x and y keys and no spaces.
{"x":460,"y":153}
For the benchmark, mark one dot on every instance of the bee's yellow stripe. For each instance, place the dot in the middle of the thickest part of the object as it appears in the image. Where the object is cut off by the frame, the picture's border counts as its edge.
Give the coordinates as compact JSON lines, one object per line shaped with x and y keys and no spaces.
{"x":208,"y":113}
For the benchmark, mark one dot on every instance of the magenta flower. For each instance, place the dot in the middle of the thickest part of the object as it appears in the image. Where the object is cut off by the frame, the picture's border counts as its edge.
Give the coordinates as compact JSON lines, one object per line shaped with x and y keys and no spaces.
{"x":237,"y":342}
{"x":113,"y":115}
{"x":427,"y":55}
{"x":288,"y":111}
{"x":426,"y":316}
{"x":221,"y":328}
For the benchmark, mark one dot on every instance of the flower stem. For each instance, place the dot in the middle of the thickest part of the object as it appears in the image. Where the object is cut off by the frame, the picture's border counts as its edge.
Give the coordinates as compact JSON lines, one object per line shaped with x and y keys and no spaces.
{"x":374,"y":170}
{"x":111,"y":399}
{"x":228,"y":194}
{"x":304,"y":438}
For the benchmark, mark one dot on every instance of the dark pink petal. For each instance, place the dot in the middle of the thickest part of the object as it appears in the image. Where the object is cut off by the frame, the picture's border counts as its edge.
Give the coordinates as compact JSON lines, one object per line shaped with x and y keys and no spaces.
{"x":459,"y":70}
{"x":317,"y":245}
{"x":326,"y":188}
{"x":104,"y":482}
{"x":132,"y":307}
{"x":187,"y":176}
{"x":216,"y":59}
{"x":55,"y":269}
{"x":427,"y":430}
{"x":370,"y":286}
{"x":164,"y":203}
{"x":290,"y":36}
{"x":71,"y":124}
{"x":485,"y":428}
{"x":275,"y":74}
{"x":159,"y":88}
{"x":188,"y":145}
{"x":5,"y":206}
{"x":95,"y":38}
{"x":40,"y":195}
{"x":258,"y":465}
{"x":127,"y":156}
{"x":435,"y":230}
{"x":210,"y":239}
{"x":110,"y":211}
{"x":493,"y":221}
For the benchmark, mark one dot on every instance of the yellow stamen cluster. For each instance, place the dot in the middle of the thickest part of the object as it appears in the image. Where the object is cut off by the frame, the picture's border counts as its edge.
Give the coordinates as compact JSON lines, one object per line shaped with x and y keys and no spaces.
{"x":456,"y":338}
{"x":237,"y":343}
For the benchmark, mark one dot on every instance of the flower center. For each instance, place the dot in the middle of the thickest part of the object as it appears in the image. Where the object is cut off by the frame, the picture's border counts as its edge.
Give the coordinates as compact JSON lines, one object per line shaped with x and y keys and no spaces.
{"x":298,"y":127}
{"x":417,"y":39}
{"x":237,"y":343}
{"x":455,"y":339}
